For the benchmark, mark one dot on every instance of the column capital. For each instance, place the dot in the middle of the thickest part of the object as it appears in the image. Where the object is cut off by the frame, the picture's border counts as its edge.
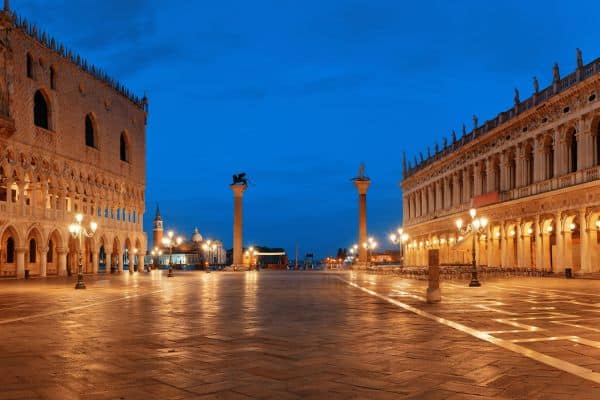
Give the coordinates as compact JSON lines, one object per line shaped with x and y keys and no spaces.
{"x":238,"y":190}
{"x":362,"y":185}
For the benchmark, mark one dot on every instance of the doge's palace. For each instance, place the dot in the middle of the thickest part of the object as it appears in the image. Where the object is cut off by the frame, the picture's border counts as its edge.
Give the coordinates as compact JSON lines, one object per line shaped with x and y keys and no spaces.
{"x":72,"y":141}
{"x":533,"y":171}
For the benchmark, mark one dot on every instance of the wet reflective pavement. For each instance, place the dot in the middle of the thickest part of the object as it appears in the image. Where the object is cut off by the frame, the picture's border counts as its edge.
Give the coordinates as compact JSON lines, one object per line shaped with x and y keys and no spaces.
{"x":296,"y":335}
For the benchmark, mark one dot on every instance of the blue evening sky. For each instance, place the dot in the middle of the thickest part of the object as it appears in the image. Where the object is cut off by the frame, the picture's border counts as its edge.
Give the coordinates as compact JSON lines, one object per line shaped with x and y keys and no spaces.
{"x":298,"y":93}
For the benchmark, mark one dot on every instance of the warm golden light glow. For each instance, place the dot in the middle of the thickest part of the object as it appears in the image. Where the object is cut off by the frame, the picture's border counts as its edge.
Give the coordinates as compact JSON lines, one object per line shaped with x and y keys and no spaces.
{"x":170,"y":234}
{"x":93,"y":226}
{"x":79,"y":217}
{"x":459,"y":223}
{"x":472,"y":212}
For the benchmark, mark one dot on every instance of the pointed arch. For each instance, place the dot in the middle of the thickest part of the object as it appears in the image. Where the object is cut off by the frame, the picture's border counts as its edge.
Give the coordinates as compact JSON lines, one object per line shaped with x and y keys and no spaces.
{"x":41,"y":110}
{"x":91,"y":131}
{"x":124,"y":150}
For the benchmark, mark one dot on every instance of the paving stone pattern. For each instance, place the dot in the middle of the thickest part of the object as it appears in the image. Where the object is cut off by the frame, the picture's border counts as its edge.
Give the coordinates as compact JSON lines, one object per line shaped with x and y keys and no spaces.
{"x":271,"y":335}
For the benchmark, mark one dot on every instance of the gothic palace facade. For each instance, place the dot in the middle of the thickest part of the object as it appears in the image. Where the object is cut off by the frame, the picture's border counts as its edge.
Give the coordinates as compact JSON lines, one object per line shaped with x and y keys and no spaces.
{"x":533,"y":171}
{"x":72,"y":140}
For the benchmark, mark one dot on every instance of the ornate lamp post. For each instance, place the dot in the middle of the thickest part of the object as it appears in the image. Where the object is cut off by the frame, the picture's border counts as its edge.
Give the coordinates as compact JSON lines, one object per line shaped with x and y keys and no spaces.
{"x":400,"y":239}
{"x":209,"y":248}
{"x":369,"y":245}
{"x":78,"y":232}
{"x":251,"y":253}
{"x":170,"y":242}
{"x":476,"y":228}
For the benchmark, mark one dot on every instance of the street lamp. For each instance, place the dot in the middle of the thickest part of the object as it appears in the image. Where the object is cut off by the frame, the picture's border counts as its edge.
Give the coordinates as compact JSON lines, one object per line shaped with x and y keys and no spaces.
{"x":170,"y":243}
{"x":251,"y":253}
{"x":401,"y":238}
{"x":78,"y":232}
{"x":209,"y":248}
{"x":370,"y":245}
{"x":476,"y":227}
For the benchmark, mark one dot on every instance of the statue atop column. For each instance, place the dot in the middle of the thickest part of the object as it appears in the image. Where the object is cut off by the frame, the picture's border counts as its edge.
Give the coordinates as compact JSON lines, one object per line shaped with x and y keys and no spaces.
{"x":240,"y":179}
{"x":361,"y":174}
{"x":579,"y":58}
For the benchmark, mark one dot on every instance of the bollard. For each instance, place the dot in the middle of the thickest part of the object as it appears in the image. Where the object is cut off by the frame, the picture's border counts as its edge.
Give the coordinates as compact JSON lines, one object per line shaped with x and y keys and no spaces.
{"x":434,"y":295}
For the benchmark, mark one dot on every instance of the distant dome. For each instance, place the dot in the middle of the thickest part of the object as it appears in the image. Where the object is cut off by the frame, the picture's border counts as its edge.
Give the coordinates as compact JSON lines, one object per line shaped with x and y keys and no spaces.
{"x":196,"y":236}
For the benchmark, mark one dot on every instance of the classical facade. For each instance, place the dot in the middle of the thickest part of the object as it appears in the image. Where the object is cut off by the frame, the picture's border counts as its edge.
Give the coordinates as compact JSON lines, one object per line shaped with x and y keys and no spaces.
{"x":72,"y":141}
{"x":533,"y":171}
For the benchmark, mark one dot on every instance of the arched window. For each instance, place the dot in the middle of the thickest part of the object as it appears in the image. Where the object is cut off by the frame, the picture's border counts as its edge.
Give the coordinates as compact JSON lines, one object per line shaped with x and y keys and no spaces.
{"x":52,"y":78}
{"x":50,"y":255}
{"x":29,"y":66}
{"x":512,"y":174}
{"x":598,"y":147}
{"x":10,"y":250}
{"x":497,"y":176}
{"x":124,"y":148}
{"x":32,"y":251}
{"x":40,"y":111}
{"x":89,"y":132}
{"x":572,"y":140}
{"x":529,"y":162}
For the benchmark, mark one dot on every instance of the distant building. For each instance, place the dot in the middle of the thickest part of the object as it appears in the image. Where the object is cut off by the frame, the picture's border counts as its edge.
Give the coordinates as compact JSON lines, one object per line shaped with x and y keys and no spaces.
{"x":265,"y":257}
{"x":193,"y":252}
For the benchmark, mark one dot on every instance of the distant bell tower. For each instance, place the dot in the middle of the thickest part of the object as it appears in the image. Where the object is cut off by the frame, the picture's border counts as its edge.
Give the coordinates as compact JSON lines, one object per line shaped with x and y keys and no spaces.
{"x":157,"y":229}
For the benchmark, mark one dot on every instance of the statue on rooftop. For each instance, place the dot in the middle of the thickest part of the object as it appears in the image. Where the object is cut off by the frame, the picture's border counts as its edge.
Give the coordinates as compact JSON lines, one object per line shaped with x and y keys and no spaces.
{"x":579,"y":58}
{"x":555,"y":73}
{"x":444,"y":142}
{"x":475,"y":121}
{"x":517,"y":100}
{"x":536,"y":85}
{"x":453,"y":136}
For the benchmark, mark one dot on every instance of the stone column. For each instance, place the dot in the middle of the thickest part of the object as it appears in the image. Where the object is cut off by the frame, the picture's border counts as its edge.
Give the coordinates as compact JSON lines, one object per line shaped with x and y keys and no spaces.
{"x":476,"y":179}
{"x":62,"y":261}
{"x":447,"y":193}
{"x":439,"y":199}
{"x":238,"y":194}
{"x":120,"y":260}
{"x":362,"y":185}
{"x":430,"y":200}
{"x":491,"y":175}
{"x":504,"y":171}
{"x":20,"y":251}
{"x":489,"y":240}
{"x":559,"y":265}
{"x":539,"y":257}
{"x":456,"y":192}
{"x":539,"y":161}
{"x":503,"y":246}
{"x":561,"y":159}
{"x":95,"y":265}
{"x":584,"y":242}
{"x":519,"y":237}
{"x":43,"y":261}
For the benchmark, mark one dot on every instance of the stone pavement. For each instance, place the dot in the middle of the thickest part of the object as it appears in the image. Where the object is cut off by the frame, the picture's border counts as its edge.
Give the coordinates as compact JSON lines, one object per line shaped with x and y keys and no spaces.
{"x":293,"y":335}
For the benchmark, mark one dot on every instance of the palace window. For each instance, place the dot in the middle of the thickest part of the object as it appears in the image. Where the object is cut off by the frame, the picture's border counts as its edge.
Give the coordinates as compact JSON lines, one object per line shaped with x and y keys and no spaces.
{"x":89,"y":132}
{"x":124,"y":148}
{"x":50,"y":255}
{"x":572,"y":140}
{"x":10,"y":250}
{"x":32,"y":251}
{"x":40,"y":111}
{"x":52,"y":78}
{"x":29,"y":66}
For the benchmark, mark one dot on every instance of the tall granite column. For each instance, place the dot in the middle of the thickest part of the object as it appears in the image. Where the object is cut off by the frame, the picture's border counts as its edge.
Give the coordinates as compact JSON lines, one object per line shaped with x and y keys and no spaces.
{"x":238,"y":192}
{"x":362,"y":185}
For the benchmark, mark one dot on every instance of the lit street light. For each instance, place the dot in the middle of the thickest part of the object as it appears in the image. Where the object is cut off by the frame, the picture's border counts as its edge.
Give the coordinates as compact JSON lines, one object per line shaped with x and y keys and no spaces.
{"x":78,"y":232}
{"x":401,"y":238}
{"x":476,"y":227}
{"x":170,"y":243}
{"x":251,"y":253}
{"x":209,"y":248}
{"x":370,"y":245}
